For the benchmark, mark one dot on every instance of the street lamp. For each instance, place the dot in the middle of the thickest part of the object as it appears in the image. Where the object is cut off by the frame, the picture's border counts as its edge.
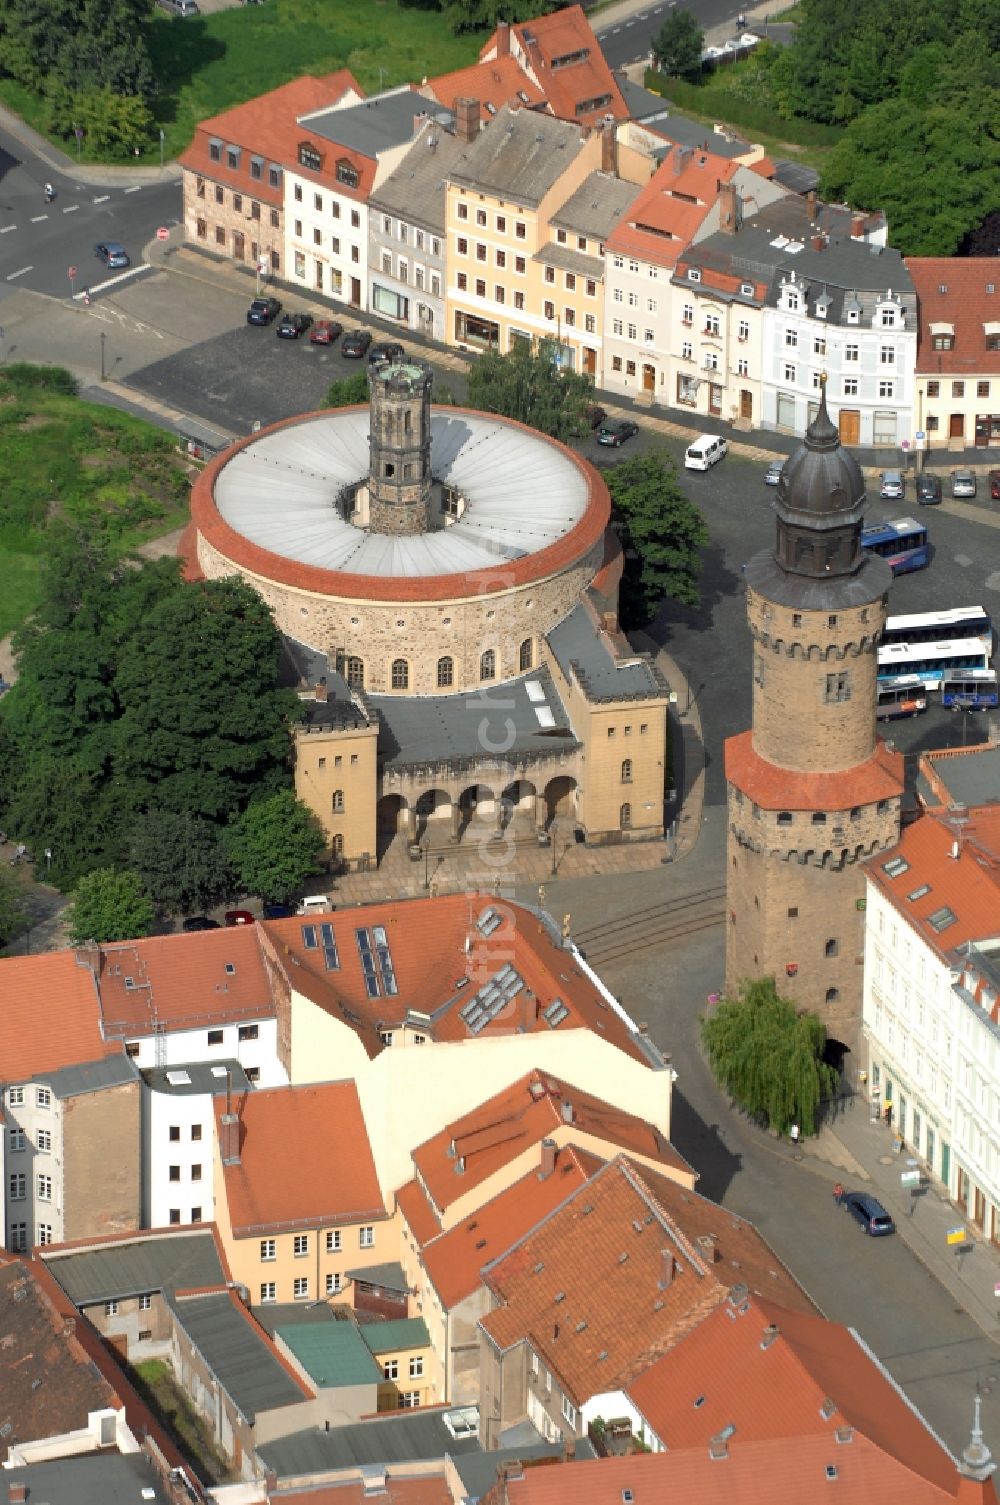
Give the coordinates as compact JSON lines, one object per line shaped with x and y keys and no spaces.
{"x":103,"y":338}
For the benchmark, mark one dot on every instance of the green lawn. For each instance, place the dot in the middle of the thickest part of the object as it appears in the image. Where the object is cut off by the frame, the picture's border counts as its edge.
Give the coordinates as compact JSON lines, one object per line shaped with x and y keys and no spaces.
{"x":63,"y":459}
{"x":208,"y":63}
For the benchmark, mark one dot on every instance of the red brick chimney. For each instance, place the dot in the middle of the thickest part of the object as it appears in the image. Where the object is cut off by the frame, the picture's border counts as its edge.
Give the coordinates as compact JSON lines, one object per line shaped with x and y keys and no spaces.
{"x":548,"y":1158}
{"x":229,"y":1139}
{"x":503,"y":39}
{"x":17,"y":1493}
{"x":320,"y":692}
{"x":818,"y":242}
{"x":857,"y":226}
{"x":811,"y":200}
{"x":666,"y":1269}
{"x":729,"y":208}
{"x":609,"y":148}
{"x":466,"y":119}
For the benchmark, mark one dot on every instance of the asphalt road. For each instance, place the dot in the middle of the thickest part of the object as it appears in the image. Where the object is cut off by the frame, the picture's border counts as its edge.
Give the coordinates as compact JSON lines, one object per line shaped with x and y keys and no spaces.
{"x":630,"y":40}
{"x":39,"y":242}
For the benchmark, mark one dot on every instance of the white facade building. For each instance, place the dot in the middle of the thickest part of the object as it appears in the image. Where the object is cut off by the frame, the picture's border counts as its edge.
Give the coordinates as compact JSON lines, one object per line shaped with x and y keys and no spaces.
{"x":178,"y":1136}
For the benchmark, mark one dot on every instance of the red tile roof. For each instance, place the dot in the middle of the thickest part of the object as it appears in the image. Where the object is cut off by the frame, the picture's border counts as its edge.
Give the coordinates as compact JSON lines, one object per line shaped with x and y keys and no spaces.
{"x":774,"y":788}
{"x":499,"y":82}
{"x":454,"y":1260}
{"x":305,"y":1159}
{"x":672,"y":206}
{"x":772,"y":1373}
{"x":50,"y":1016}
{"x":780,"y":1471}
{"x":175,"y":981}
{"x":470,"y":1150}
{"x":967,"y":884}
{"x":564,"y":57}
{"x":265,"y":127}
{"x":620,"y":1273}
{"x":421,"y":1219}
{"x":969,"y":303}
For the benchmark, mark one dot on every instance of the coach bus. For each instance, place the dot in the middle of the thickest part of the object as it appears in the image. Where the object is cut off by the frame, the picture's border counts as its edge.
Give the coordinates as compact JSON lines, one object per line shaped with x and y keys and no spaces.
{"x":906,"y":696}
{"x":935,"y":645}
{"x":902,"y":543}
{"x":971,"y":690}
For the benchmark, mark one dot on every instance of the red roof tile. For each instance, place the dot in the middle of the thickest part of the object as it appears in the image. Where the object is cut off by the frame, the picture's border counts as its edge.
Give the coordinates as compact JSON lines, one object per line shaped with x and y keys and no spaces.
{"x":564,"y":56}
{"x":265,"y":127}
{"x":50,"y":1016}
{"x":968,"y":884}
{"x":421,"y":1219}
{"x":329,"y":1179}
{"x":970,"y":301}
{"x":774,"y":788}
{"x":174,"y":981}
{"x":672,"y":206}
{"x":499,"y":82}
{"x":588,"y":1288}
{"x":470,"y":1150}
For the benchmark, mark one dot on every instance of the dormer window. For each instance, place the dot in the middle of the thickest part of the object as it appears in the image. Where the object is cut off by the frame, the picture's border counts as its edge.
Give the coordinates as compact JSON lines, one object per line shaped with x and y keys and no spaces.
{"x":347,"y":173}
{"x":942,"y":336}
{"x":746,"y":288}
{"x":694,"y":275}
{"x":309,"y":157}
{"x":889,"y":317}
{"x":853,"y":315}
{"x":991,"y":333}
{"x":791,"y":300}
{"x":821,"y":309}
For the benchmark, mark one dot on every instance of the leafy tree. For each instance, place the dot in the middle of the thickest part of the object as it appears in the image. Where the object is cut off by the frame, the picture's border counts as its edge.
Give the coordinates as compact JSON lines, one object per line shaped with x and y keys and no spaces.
{"x":181,"y":860}
{"x":113,"y":124}
{"x":527,"y":384}
{"x":348,"y":392}
{"x":661,"y":532}
{"x":769,"y":1057}
{"x":477,"y":15}
{"x":274,"y":846}
{"x":13,"y":910}
{"x":678,"y":45}
{"x":109,"y":905}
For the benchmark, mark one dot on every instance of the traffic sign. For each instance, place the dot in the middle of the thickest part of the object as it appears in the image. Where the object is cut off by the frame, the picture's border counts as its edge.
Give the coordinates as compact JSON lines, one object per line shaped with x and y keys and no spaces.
{"x":71,"y":274}
{"x":163,"y":233}
{"x":905,"y":444}
{"x":956,"y":1236}
{"x":921,"y":434}
{"x":910,"y":1178}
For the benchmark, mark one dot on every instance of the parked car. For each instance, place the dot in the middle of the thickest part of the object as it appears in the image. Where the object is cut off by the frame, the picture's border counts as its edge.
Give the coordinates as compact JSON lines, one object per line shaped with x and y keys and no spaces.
{"x":325,"y":331}
{"x":707,"y":450}
{"x":240,"y":917}
{"x":615,"y":431}
{"x":355,"y":343}
{"x":870,"y":1213}
{"x":199,"y":922}
{"x":290,"y":326}
{"x":995,"y":485}
{"x":594,"y":414}
{"x":278,"y":911}
{"x":773,"y":473}
{"x":112,"y":254}
{"x":181,"y":7}
{"x":263,"y":310}
{"x":893,"y":487}
{"x":384,"y":352}
{"x":928,"y":489}
{"x":963,"y":483}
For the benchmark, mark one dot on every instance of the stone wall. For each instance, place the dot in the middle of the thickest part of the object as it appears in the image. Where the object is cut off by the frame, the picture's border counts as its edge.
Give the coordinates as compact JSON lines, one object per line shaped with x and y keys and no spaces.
{"x":259,"y":224}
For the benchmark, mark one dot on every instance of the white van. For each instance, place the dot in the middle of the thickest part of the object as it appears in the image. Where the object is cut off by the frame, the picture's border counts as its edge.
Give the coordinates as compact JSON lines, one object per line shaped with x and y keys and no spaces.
{"x":706,"y":450}
{"x":315,"y":904}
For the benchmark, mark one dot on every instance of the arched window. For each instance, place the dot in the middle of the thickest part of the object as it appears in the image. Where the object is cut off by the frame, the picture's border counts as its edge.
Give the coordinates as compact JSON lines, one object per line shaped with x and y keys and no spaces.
{"x":400,"y":674}
{"x":446,"y":673}
{"x":832,"y":947}
{"x":354,"y":671}
{"x":527,"y":653}
{"x":627,"y":771}
{"x":832,"y":994}
{"x":625,"y":818}
{"x":338,"y":802}
{"x":488,"y":665}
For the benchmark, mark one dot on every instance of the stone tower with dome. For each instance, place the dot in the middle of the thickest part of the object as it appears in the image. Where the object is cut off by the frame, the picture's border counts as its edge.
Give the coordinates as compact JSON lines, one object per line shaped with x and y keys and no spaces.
{"x":812,"y":790}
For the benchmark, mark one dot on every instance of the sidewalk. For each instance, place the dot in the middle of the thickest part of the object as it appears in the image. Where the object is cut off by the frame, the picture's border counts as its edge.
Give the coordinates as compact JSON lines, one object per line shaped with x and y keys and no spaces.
{"x":99,"y":174}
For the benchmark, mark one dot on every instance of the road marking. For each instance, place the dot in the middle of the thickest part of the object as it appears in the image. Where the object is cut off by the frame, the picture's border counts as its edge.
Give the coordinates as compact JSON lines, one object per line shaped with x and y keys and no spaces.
{"x":7,"y":229}
{"x":100,"y":287}
{"x":20,"y":273}
{"x":136,"y":189}
{"x":102,"y":200}
{"x":71,"y":209}
{"x":36,"y":219}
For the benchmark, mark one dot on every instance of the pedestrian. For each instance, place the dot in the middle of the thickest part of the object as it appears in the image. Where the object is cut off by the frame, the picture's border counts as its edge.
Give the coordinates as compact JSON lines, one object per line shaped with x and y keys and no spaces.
{"x":888,"y":1115}
{"x":838,"y":1194}
{"x":793,"y":1133}
{"x":50,"y":193}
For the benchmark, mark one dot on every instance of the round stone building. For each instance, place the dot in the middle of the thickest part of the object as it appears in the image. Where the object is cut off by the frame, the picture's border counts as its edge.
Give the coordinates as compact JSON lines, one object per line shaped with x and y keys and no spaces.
{"x":423,"y":550}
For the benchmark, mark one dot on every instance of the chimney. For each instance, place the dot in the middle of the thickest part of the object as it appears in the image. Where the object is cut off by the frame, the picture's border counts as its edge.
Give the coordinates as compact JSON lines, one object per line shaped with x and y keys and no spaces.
{"x":503,"y":39}
{"x":229,"y":1139}
{"x":857,"y":227}
{"x":548,"y":1157}
{"x":770,"y":1333}
{"x":811,"y":200}
{"x":69,"y":1327}
{"x":418,"y":120}
{"x":567,"y":1112}
{"x":609,"y":148}
{"x":466,"y":119}
{"x":729,"y":208}
{"x":667,"y":1267}
{"x":17,"y":1493}
{"x":818,"y":242}
{"x":320,"y":691}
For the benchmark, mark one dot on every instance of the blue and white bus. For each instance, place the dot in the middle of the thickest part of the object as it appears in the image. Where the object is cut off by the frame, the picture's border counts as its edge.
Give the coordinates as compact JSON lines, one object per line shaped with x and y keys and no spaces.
{"x":935,"y":645}
{"x":902,"y":543}
{"x":971,"y":690}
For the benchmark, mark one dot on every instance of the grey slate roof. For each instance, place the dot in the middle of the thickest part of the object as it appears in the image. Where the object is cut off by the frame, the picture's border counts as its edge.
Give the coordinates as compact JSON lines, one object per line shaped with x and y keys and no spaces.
{"x":390,"y":1275}
{"x":237,"y":1355}
{"x":640,"y":102}
{"x":73,"y":1081}
{"x":408,"y":1435}
{"x":677,"y":130}
{"x":973,"y":779}
{"x":518,"y":156}
{"x":597,"y":206}
{"x":416,"y":189}
{"x":764,"y":574}
{"x":167,"y":1262}
{"x":373,"y":126}
{"x":578,"y":645}
{"x":201,"y":1076}
{"x":567,"y":260}
{"x":478,"y":1471}
{"x":91,"y":1479}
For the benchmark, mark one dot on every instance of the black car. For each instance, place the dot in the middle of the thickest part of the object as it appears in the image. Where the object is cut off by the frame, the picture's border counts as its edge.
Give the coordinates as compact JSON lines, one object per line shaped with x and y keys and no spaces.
{"x":928,"y":490}
{"x":278,"y":911}
{"x":290,"y":326}
{"x":385,"y":352}
{"x":200,"y":922}
{"x":263,"y":310}
{"x":616,"y":430}
{"x":355,"y":343}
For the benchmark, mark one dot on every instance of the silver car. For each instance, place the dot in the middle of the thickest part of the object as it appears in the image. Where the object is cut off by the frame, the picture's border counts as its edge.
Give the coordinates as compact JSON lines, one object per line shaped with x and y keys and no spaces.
{"x":893,"y":486}
{"x":963,"y":483}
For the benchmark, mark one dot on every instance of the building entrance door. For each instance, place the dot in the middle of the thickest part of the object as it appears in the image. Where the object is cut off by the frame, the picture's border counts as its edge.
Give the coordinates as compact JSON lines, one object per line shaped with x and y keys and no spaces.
{"x":956,"y":426}
{"x":649,"y":379}
{"x":946,"y":1163}
{"x":355,"y":292}
{"x":589,"y":361}
{"x":850,"y":426}
{"x":746,"y":404}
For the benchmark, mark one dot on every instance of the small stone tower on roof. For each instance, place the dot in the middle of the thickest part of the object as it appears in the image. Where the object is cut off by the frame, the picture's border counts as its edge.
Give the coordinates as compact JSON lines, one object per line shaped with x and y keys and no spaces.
{"x":812,"y":789}
{"x":399,"y":483}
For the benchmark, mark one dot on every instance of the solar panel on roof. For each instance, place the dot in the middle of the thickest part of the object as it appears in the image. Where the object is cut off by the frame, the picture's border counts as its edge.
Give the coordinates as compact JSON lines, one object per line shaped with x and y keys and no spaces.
{"x":555,"y":1013}
{"x":309,"y":937}
{"x":384,"y":956}
{"x":488,"y":922}
{"x":367,"y":962}
{"x":330,"y":954}
{"x":492,"y":998}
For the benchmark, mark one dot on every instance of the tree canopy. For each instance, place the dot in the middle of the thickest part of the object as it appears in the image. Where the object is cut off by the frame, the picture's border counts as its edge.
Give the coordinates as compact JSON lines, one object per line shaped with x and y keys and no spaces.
{"x":274,"y":846}
{"x":662,"y":535}
{"x":181,"y":859}
{"x":478,"y":15}
{"x":528,"y":385}
{"x":678,"y":45}
{"x":110,"y":906}
{"x":769,"y":1057}
{"x":13,"y":908}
